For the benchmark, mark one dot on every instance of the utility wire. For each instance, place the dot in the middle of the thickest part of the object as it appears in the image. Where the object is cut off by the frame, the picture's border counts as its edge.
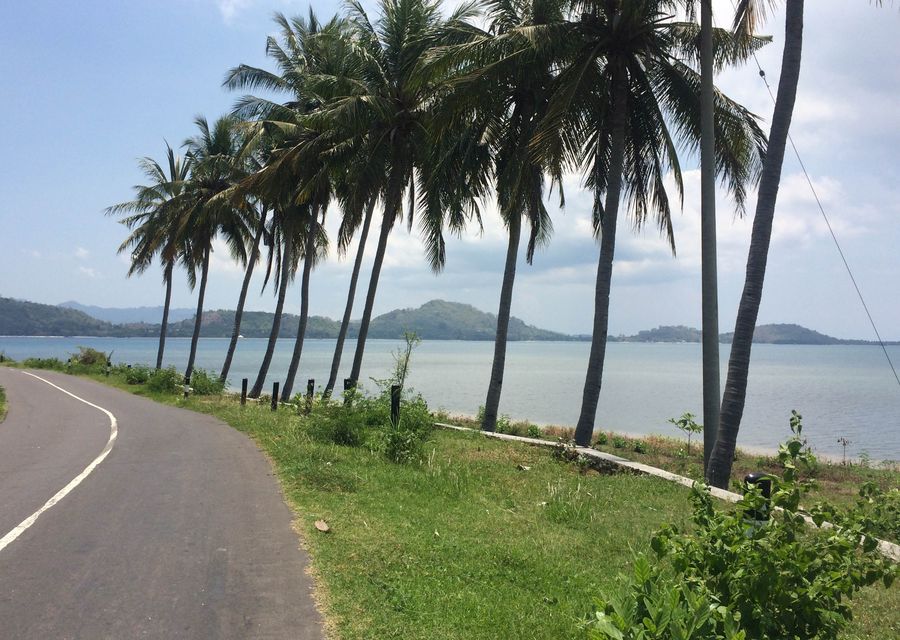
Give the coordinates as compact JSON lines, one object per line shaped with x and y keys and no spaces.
{"x":762,"y":74}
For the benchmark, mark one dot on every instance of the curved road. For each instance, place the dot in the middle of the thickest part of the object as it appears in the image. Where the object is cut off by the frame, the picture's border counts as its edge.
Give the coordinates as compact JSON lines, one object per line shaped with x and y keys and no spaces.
{"x":181,"y":531}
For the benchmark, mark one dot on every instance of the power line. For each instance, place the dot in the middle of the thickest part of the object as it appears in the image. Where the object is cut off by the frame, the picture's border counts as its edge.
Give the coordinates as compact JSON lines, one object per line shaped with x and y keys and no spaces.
{"x":812,"y":188}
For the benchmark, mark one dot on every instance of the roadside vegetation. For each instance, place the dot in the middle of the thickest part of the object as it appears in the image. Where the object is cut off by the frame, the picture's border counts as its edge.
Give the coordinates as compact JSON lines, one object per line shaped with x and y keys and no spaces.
{"x":2,"y":403}
{"x":437,"y":533}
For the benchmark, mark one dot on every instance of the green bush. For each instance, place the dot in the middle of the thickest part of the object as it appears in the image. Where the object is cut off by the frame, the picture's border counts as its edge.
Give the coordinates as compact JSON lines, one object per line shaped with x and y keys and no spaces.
{"x":656,"y":605}
{"x":773,"y":580}
{"x":137,"y":374}
{"x":206,"y":383}
{"x":602,"y":439}
{"x":89,"y":357}
{"x":619,"y":442}
{"x":165,"y":380}
{"x":641,"y":447}
{"x":534,"y":431}
{"x":44,"y":363}
{"x":405,"y":441}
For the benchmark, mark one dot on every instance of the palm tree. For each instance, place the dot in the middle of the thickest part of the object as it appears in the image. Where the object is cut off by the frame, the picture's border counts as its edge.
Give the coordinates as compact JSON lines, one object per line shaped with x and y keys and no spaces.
{"x":505,"y":86}
{"x":387,"y":110}
{"x":283,"y":234}
{"x":214,"y":153}
{"x":624,"y":97}
{"x":718,"y":470}
{"x":154,"y":226}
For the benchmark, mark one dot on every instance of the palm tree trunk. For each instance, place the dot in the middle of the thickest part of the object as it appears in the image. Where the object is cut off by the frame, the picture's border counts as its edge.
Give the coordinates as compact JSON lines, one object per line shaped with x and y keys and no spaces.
{"x":594,"y":377}
{"x":492,"y":403}
{"x":198,"y":320}
{"x":709,"y":272}
{"x":276,"y":320}
{"x":351,"y":294}
{"x":309,"y":258}
{"x":239,"y":312}
{"x":719,"y":470}
{"x":164,"y":325}
{"x":387,"y":222}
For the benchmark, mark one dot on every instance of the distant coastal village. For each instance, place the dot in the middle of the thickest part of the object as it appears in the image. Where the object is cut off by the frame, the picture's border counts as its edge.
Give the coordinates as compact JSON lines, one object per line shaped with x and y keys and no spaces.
{"x":434,"y":320}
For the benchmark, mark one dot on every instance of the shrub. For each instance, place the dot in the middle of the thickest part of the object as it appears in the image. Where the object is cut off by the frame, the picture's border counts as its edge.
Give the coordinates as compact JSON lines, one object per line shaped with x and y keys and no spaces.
{"x":655,"y":604}
{"x":137,"y":374}
{"x":44,"y":363}
{"x":780,"y":579}
{"x":641,"y":447}
{"x":206,"y":383}
{"x":165,"y":381}
{"x":688,"y":425}
{"x":619,"y":442}
{"x":601,"y":440}
{"x":534,"y":431}
{"x":89,"y":357}
{"x":405,"y":441}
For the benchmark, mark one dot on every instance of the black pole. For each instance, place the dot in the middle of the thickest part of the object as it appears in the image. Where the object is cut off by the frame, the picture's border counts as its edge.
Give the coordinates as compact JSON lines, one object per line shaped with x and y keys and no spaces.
{"x":764,"y":482}
{"x":274,"y":396}
{"x":395,"y":404}
{"x":243,"y":391}
{"x":310,"y":390}
{"x":187,"y":386}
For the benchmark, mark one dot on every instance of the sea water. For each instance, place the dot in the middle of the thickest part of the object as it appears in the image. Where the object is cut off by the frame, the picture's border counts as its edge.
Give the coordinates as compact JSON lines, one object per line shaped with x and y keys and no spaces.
{"x":841,"y":391}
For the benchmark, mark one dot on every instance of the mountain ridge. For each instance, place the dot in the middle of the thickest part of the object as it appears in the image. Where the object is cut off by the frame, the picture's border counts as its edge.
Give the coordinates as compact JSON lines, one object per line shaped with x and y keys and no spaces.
{"x":434,"y":320}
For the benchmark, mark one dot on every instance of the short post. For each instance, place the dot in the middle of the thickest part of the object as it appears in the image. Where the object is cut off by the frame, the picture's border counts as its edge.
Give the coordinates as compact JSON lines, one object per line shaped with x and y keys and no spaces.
{"x":243,"y":392}
{"x":759,"y":516}
{"x":310,"y":391}
{"x":108,"y":365}
{"x":274,"y":396}
{"x":395,"y":404}
{"x":187,"y":386}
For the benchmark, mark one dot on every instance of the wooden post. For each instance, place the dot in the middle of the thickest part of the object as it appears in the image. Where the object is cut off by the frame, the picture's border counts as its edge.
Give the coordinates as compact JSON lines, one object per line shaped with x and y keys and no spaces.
{"x":310,"y":391}
{"x":243,"y":391}
{"x":274,"y":396}
{"x":396,"y":389}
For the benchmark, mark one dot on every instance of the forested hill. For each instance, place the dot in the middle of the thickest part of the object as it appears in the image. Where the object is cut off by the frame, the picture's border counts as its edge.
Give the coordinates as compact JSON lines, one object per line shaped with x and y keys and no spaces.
{"x":435,"y":320}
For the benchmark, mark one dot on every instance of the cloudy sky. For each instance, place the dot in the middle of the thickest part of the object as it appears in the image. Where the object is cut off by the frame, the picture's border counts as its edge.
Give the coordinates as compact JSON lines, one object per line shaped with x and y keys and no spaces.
{"x":90,"y":87}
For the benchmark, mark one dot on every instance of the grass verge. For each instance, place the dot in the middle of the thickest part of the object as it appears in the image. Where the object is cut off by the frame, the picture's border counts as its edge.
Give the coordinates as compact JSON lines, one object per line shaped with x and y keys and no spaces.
{"x":2,"y":403}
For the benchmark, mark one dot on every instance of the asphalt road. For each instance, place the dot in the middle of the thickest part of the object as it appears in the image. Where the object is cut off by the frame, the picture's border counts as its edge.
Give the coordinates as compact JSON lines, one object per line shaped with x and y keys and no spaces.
{"x":181,"y":531}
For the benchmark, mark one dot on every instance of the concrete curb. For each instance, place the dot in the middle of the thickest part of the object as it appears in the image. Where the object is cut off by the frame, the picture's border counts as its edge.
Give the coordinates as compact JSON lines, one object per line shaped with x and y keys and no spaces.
{"x":887,"y":549}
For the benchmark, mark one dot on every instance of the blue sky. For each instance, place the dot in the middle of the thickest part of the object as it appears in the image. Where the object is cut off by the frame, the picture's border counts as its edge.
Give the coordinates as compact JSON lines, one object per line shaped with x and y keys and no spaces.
{"x":90,"y":87}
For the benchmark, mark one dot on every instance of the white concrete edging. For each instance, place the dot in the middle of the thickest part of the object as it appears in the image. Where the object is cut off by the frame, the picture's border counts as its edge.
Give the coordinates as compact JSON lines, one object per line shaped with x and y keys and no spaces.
{"x":887,"y":549}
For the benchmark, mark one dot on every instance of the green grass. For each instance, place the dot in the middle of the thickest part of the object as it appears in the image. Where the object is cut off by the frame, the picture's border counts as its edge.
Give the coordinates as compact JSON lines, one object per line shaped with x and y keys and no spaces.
{"x":2,"y":403}
{"x":464,"y":544}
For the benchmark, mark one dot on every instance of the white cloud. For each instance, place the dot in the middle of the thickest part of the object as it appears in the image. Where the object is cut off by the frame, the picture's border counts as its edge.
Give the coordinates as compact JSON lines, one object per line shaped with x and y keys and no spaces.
{"x":230,"y":8}
{"x":88,"y":271}
{"x":81,"y":253}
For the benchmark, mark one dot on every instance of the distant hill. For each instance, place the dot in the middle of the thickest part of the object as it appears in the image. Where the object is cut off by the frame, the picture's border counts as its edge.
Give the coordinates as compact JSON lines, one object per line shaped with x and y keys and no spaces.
{"x":764,"y":334}
{"x":129,"y":315}
{"x":442,"y":320}
{"x":435,"y":320}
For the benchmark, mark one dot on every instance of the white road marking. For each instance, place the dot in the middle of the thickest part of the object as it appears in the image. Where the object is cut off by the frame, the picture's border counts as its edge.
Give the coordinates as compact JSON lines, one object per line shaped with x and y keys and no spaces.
{"x":62,"y":493}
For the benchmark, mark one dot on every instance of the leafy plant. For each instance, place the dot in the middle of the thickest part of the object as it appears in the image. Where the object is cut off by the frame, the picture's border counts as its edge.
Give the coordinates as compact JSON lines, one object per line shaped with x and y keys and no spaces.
{"x":89,"y":357}
{"x":641,"y":447}
{"x":656,"y":605}
{"x":165,"y":381}
{"x":204,"y":383}
{"x":602,"y":439}
{"x":688,"y":425}
{"x":137,"y":374}
{"x":619,"y":442}
{"x":534,"y":431}
{"x":781,"y":580}
{"x":44,"y":363}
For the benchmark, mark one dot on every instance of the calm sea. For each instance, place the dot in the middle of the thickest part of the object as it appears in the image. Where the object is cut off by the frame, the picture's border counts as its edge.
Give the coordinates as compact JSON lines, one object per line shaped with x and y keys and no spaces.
{"x":841,"y":391}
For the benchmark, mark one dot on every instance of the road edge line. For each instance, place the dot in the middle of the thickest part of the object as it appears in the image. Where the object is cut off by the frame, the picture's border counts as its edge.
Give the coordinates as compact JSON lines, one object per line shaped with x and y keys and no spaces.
{"x":62,"y":493}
